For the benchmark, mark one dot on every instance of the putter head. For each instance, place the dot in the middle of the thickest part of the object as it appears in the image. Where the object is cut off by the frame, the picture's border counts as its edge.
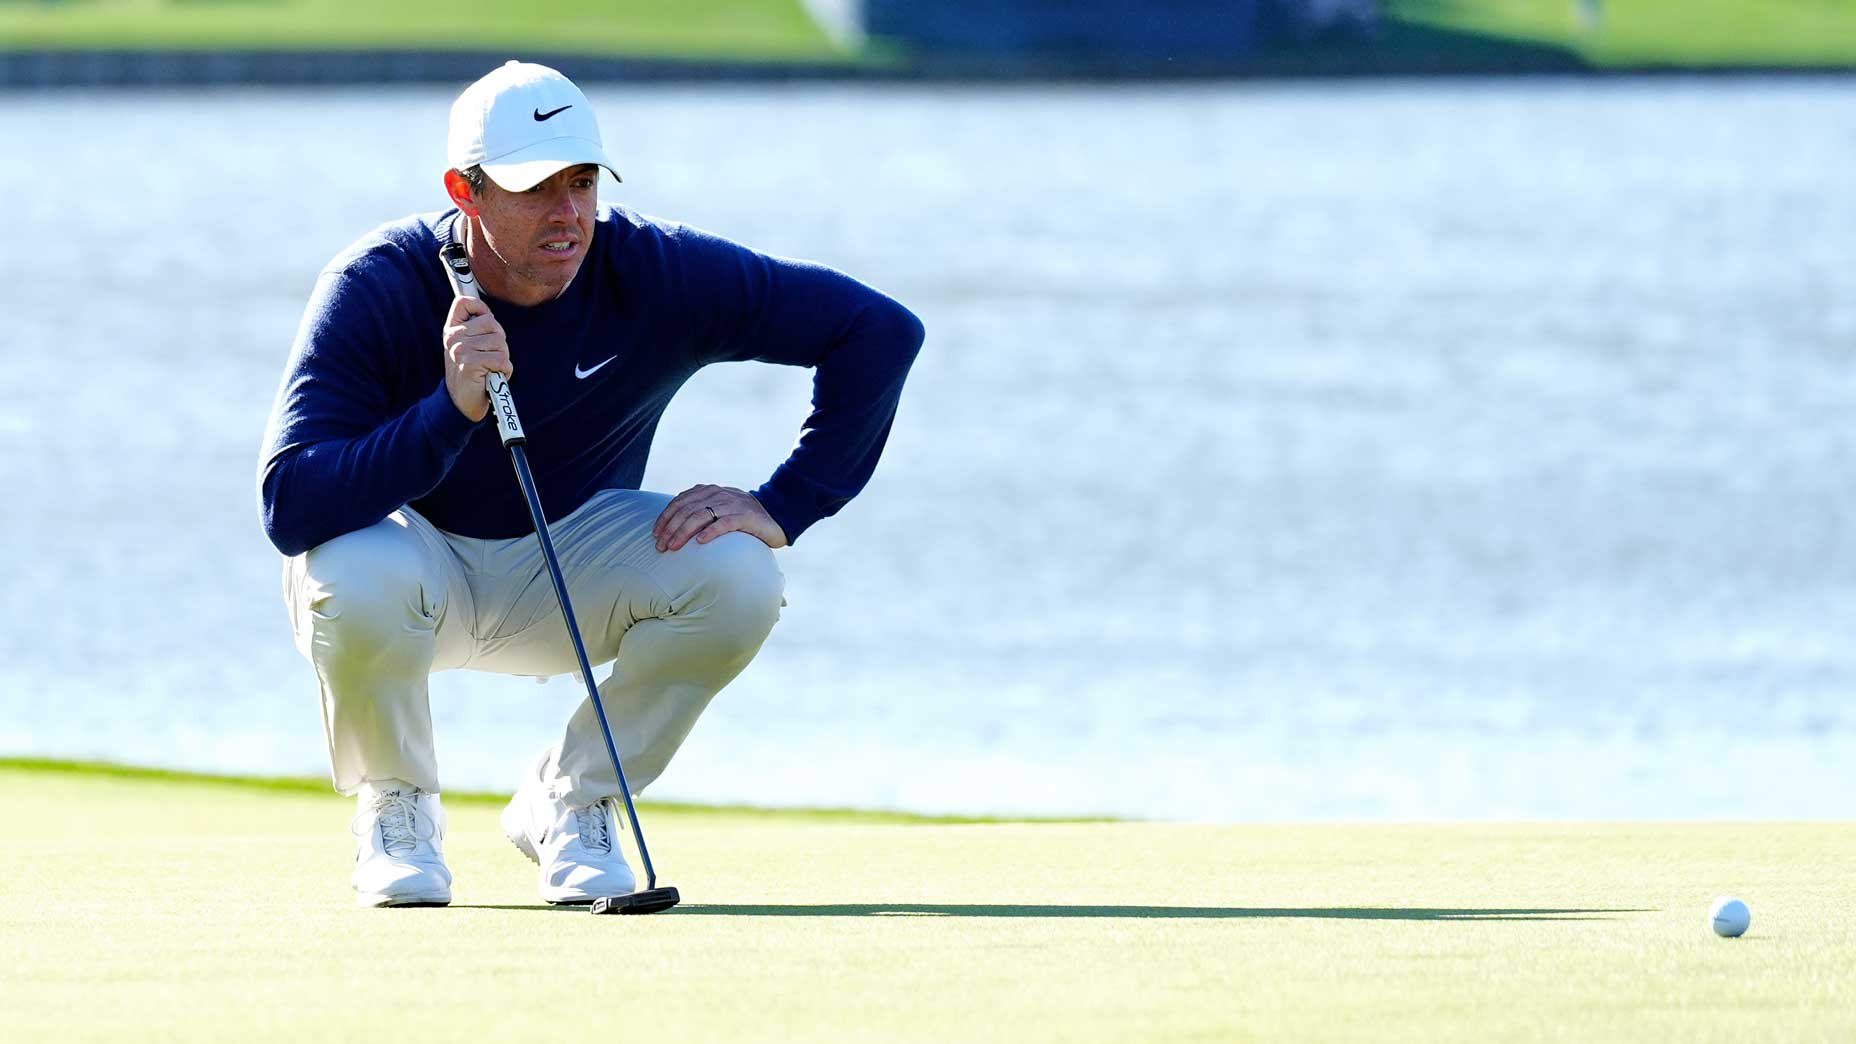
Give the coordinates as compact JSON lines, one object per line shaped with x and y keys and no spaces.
{"x":651,"y":900}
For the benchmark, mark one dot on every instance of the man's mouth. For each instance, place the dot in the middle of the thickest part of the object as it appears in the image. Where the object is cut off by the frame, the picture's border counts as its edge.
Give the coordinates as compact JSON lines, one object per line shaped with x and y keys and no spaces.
{"x":559,"y":246}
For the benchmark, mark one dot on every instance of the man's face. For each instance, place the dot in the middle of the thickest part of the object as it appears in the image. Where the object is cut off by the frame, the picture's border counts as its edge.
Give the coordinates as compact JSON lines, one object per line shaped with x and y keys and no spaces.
{"x":540,"y":236}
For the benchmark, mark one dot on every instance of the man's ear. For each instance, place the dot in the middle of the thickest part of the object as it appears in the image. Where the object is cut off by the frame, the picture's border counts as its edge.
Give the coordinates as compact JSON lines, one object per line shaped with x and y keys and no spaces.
{"x":459,"y":190}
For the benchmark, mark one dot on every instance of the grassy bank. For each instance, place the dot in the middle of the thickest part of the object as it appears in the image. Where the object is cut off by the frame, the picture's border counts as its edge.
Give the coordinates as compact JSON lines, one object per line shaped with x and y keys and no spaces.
{"x":1417,"y":36}
{"x":319,"y":787}
{"x":1647,"y":33}
{"x":150,"y":908}
{"x":724,"y":29}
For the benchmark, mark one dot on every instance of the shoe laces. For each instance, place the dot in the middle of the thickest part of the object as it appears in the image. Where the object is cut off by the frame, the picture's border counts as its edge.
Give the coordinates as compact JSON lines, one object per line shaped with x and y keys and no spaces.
{"x":398,"y":820}
{"x":594,"y":827}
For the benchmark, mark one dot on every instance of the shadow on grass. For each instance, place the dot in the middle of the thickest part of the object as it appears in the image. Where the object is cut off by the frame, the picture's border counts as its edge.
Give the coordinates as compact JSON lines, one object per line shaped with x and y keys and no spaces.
{"x":1204,"y":913}
{"x":537,"y":907}
{"x":1356,"y":913}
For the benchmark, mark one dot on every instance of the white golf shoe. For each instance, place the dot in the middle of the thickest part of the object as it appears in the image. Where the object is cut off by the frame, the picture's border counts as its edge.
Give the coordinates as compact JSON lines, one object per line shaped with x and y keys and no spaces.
{"x":577,"y":848}
{"x":401,"y":857}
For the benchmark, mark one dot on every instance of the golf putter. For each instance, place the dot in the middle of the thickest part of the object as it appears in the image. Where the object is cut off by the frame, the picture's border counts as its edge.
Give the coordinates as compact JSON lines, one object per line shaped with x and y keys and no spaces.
{"x":651,"y":898}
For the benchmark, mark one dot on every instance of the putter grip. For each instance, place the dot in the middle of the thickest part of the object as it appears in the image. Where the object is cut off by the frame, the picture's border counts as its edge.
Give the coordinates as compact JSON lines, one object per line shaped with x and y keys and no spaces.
{"x":502,"y":403}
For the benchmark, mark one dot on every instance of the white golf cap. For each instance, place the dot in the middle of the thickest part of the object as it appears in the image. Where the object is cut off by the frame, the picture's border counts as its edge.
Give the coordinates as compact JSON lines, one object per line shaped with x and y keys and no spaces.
{"x":524,"y":123}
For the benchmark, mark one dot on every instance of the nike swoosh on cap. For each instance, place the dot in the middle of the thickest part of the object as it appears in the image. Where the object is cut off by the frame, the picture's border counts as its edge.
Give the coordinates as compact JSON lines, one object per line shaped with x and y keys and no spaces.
{"x":551,"y":113}
{"x":584,"y":374}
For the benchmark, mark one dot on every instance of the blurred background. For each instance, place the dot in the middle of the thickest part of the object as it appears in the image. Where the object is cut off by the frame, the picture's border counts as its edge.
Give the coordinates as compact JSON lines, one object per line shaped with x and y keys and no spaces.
{"x":1332,"y":409}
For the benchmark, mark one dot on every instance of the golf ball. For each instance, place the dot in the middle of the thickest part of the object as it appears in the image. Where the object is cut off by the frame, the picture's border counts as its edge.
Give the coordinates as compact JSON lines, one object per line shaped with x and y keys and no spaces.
{"x":1729,"y":917}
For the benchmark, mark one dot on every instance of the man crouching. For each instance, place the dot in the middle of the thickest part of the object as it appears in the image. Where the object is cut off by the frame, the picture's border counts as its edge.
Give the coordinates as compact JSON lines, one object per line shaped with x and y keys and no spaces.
{"x":408,"y":544}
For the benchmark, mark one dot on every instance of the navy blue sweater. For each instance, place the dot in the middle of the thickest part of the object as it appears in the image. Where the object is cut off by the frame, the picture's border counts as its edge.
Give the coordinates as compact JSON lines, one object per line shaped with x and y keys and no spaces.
{"x":363,"y":424}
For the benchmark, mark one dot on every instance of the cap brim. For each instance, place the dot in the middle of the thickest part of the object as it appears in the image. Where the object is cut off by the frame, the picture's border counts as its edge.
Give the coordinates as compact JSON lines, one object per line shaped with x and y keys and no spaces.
{"x":523,"y":169}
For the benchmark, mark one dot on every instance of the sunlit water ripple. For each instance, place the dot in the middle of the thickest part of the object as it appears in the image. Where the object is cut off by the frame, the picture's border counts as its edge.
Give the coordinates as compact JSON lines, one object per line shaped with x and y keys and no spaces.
{"x":1278,"y":452}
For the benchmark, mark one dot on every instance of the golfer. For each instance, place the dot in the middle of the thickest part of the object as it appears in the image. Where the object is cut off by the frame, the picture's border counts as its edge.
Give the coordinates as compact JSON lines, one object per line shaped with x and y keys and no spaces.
{"x":409,"y":548}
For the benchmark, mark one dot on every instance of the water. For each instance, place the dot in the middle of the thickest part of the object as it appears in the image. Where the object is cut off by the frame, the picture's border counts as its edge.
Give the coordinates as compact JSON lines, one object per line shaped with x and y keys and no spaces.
{"x":1459,"y":450}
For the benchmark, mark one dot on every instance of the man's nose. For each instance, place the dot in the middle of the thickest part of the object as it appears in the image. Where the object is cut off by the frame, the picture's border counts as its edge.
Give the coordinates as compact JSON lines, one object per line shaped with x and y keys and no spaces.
{"x":564,"y":210}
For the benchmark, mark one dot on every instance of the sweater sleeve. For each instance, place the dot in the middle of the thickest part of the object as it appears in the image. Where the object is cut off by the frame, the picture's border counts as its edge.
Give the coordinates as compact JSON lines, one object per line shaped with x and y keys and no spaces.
{"x":339,"y":453}
{"x":859,"y":343}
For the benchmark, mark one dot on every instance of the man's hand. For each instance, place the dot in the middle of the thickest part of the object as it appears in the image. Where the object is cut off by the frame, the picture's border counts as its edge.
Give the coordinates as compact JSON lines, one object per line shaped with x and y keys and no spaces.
{"x":706,"y":512}
{"x":474,"y":346}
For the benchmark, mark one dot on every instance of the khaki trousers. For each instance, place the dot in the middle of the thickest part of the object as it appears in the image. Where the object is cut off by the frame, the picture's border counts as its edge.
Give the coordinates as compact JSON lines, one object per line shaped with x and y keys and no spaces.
{"x":379,"y":609}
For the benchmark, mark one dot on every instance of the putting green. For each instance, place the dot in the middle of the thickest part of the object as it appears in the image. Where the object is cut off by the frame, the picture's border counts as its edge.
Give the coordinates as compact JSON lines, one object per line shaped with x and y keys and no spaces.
{"x":145,"y":909}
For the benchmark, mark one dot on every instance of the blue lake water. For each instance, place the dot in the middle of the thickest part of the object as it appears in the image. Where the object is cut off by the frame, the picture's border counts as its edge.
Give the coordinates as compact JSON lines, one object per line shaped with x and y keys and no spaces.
{"x":1457,"y":450}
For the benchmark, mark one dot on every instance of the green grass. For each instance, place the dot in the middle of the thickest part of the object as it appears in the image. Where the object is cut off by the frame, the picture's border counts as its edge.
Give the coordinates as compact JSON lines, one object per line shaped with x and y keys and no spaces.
{"x":319,"y":786}
{"x":726,"y":29}
{"x":1419,"y":35}
{"x":160,"y":908}
{"x":1639,"y":33}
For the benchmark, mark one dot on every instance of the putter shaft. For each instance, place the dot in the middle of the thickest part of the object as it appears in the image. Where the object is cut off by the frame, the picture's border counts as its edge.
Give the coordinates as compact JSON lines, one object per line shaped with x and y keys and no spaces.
{"x":527,"y":480}
{"x":456,"y":262}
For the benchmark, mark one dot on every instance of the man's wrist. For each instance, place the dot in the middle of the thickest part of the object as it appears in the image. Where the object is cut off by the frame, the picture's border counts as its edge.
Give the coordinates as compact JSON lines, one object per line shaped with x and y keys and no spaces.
{"x":784,"y":540}
{"x":780,"y":509}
